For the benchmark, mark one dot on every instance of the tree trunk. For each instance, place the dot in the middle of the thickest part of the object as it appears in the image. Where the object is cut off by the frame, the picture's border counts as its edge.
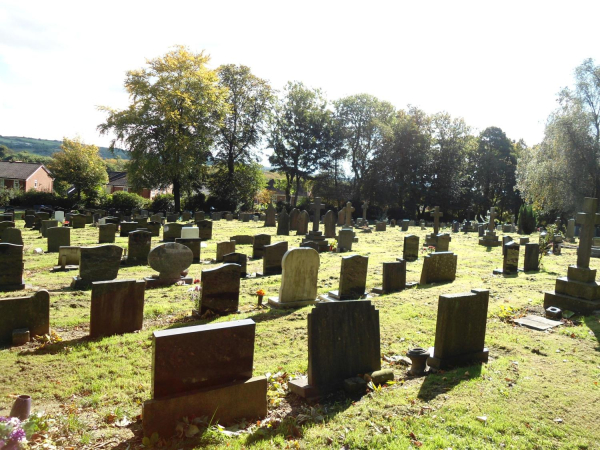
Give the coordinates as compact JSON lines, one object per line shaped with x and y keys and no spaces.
{"x":230,"y":165}
{"x":177,"y":195}
{"x":297,"y":190}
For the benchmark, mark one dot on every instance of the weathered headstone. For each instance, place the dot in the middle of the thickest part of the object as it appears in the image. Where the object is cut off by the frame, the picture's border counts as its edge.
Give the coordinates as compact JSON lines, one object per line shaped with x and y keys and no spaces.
{"x":258,"y":247}
{"x":300,"y":269}
{"x":460,"y":329}
{"x":78,"y":221}
{"x":172,"y":217}
{"x":68,"y":258}
{"x":353,"y":279}
{"x":348,"y":210}
{"x":410,"y":251}
{"x":171,"y":261}
{"x":139,"y":244}
{"x":329,"y":224}
{"x":223,"y":248}
{"x":394,"y":278}
{"x":242,"y":239}
{"x":220,"y":289}
{"x":58,"y":237}
{"x":239,"y":259}
{"x":405,"y":223}
{"x":380,"y":226}
{"x":283,"y":223}
{"x":273,"y":254}
{"x":47,"y":224}
{"x":438,"y":267}
{"x":365,"y":207}
{"x":205,"y":229}
{"x":186,"y":215}
{"x":532,"y":257}
{"x":270,"y":218}
{"x":171,"y":231}
{"x":106,"y":233}
{"x":193,"y":244}
{"x":29,"y":221}
{"x":510,"y":264}
{"x":571,"y":230}
{"x":198,"y":216}
{"x":294,"y":214}
{"x":12,"y":236}
{"x":117,"y":306}
{"x":345,"y":240}
{"x":442,"y":242}
{"x":31,"y":313}
{"x":341,"y":217}
{"x":99,"y":263}
{"x":303,"y":219}
{"x":11,"y":267}
{"x":436,"y":213}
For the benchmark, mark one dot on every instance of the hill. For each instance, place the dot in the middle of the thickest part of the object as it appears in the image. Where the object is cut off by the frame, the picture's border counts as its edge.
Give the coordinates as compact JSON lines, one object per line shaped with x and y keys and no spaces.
{"x":46,"y":147}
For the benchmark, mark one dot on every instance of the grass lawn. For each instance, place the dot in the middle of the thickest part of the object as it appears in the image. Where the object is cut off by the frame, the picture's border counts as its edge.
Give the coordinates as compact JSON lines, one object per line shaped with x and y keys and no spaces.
{"x":539,"y":390}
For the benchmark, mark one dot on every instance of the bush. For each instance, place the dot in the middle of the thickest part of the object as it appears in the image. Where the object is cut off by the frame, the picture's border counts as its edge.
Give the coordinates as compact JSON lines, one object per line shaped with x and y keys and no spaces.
{"x":6,"y":195}
{"x":527,"y":219}
{"x":31,"y":198}
{"x":196,"y":202}
{"x":125,"y":201}
{"x":163,"y":202}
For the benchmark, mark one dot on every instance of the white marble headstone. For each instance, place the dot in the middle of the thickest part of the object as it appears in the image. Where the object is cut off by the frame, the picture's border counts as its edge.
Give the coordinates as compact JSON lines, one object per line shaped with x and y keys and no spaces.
{"x":60,"y":216}
{"x":190,"y":232}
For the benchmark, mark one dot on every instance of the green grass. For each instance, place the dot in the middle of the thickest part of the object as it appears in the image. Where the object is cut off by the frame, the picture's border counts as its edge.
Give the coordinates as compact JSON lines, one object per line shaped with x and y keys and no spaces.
{"x":532,"y":378}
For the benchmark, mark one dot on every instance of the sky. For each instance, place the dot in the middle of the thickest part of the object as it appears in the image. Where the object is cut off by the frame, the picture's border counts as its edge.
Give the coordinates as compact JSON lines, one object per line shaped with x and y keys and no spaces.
{"x":492,"y":63}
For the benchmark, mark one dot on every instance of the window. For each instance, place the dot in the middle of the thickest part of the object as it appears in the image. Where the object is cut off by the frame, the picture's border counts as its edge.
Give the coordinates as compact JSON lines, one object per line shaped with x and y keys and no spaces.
{"x":126,"y":189}
{"x":16,"y":184}
{"x":35,"y":184}
{"x":1,"y":183}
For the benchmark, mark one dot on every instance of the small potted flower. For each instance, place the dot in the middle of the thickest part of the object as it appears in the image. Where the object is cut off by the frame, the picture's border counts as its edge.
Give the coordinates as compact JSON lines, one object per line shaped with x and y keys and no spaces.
{"x":260,"y":294}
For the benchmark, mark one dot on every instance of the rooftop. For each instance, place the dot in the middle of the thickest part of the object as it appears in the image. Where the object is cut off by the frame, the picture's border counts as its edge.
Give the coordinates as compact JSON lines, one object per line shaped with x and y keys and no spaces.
{"x":19,"y":170}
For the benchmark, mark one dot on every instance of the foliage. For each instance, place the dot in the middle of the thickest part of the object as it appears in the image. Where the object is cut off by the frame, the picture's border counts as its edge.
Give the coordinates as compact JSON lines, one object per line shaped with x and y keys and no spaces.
{"x":263,"y":197}
{"x":527,"y":220}
{"x":6,"y":195}
{"x":237,"y":192}
{"x":125,"y":201}
{"x":195,"y":202}
{"x":33,"y":197}
{"x":163,"y":202}
{"x":41,"y":150}
{"x":12,"y":435}
{"x":79,"y":165}
{"x":169,"y":127}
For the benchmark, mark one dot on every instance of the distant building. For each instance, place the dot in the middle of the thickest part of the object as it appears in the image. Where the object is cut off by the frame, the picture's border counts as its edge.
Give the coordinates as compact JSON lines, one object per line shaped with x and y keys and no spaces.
{"x":25,"y":176}
{"x":277,"y":195}
{"x":117,"y":181}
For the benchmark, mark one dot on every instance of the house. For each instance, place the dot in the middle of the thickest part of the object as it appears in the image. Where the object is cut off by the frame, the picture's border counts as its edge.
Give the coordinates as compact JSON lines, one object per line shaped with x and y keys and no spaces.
{"x":117,"y":181}
{"x":25,"y":176}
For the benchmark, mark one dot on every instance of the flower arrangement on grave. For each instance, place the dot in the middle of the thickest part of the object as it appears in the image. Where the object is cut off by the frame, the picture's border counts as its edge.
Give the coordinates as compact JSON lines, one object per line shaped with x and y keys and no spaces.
{"x":260,"y":294}
{"x":332,"y":247}
{"x":196,"y":295}
{"x":12,"y":434}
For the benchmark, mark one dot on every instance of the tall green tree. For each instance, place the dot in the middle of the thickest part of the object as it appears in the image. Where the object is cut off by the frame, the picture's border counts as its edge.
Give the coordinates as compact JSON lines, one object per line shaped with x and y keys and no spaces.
{"x":238,"y":192}
{"x":249,"y":99}
{"x":78,"y":165}
{"x":177,"y":107}
{"x":296,"y":134}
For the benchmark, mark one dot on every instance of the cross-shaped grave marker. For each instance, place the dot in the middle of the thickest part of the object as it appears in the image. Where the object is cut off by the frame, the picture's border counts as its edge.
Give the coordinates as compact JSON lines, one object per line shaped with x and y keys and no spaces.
{"x":493,"y":215}
{"x":436,"y":219}
{"x":365,"y":206}
{"x":588,"y":219}
{"x":316,"y":207}
{"x":348,"y":210}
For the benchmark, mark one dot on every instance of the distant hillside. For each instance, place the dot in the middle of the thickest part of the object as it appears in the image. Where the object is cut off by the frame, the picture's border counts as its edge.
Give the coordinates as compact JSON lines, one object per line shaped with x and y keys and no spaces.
{"x":45,"y":147}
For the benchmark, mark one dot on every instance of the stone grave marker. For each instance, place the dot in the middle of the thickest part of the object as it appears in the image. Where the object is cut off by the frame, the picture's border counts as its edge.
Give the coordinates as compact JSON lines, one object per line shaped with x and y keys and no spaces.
{"x":273,"y":255}
{"x":127,"y":227}
{"x":186,"y":215}
{"x":193,"y":244}
{"x":380,"y":226}
{"x":348,"y":214}
{"x":99,"y":263}
{"x":270,"y":218}
{"x":242,"y":239}
{"x":11,"y":267}
{"x":58,"y":237}
{"x":438,"y":267}
{"x":205,"y":229}
{"x":172,"y":231}
{"x":106,"y":233}
{"x":343,"y":341}
{"x":365,"y":207}
{"x":505,"y":240}
{"x":341,"y":217}
{"x":571,"y":230}
{"x":394,"y":277}
{"x":172,"y":217}
{"x":283,"y":223}
{"x":329,"y":224}
{"x":68,"y":258}
{"x":460,"y":329}
{"x":410,"y":251}
{"x":258,"y":247}
{"x":60,"y":216}
{"x":345,"y":240}
{"x":303,"y":219}
{"x":6,"y":225}
{"x":39,"y":217}
{"x":490,"y":239}
{"x":154,"y":228}
{"x":216,"y":383}
{"x":223,"y":248}
{"x":216,"y":216}
{"x":532,"y":257}
{"x":29,"y":221}
{"x":405,"y":223}
{"x":117,"y":306}
{"x":220,"y":289}
{"x":240,"y":259}
{"x":228,"y":217}
{"x":523,"y":240}
{"x":198,"y":216}
{"x":12,"y":236}
{"x":47,"y":224}
{"x":510,"y":260}
{"x":442,"y":243}
{"x":31,"y":313}
{"x":139,"y":244}
{"x":353,"y":279}
{"x":294,"y":214}
{"x":171,"y":261}
{"x":78,"y":221}
{"x":300,"y":270}
{"x":190,"y":232}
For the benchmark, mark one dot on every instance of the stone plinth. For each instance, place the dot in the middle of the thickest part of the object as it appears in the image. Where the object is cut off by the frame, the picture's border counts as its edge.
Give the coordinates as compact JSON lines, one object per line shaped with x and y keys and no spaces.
{"x":578,"y":291}
{"x":32,"y":313}
{"x":490,"y":239}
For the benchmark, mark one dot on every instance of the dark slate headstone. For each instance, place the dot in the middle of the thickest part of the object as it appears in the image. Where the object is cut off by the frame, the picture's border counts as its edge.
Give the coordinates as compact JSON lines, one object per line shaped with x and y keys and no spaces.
{"x":29,"y":221}
{"x":100,"y":263}
{"x":442,"y":243}
{"x":170,"y":260}
{"x":394,"y":277}
{"x":258,"y":247}
{"x":139,"y":244}
{"x":532,"y":257}
{"x":380,"y":226}
{"x":172,"y":217}
{"x":242,"y":239}
{"x":439,"y":267}
{"x":11,"y":267}
{"x":353,"y":278}
{"x":32,"y":313}
{"x":270,"y":216}
{"x":186,"y":215}
{"x":273,"y":254}
{"x":205,"y":229}
{"x":106,"y":233}
{"x":343,"y":341}
{"x":505,"y":240}
{"x":193,"y":244}
{"x":223,"y":248}
{"x":511,"y":258}
{"x":58,"y":237}
{"x":329,"y":223}
{"x":172,"y":231}
{"x":460,"y":329}
{"x":237,"y":258}
{"x":12,"y":236}
{"x":47,"y":224}
{"x":78,"y":221}
{"x":283,"y":223}
{"x":117,"y":307}
{"x":154,"y":228}
{"x":410,"y":251}
{"x":220,"y":289}
{"x":405,"y":223}
{"x":5,"y":225}
{"x":294,"y":214}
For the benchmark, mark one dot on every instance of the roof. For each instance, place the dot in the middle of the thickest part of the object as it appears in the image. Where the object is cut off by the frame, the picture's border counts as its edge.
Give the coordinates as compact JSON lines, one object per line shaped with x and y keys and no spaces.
{"x":117,"y":179}
{"x":19,"y":170}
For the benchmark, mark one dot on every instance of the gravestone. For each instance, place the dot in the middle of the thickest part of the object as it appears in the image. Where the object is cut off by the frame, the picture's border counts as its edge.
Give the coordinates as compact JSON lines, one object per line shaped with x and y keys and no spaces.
{"x":29,"y":221}
{"x":139,"y":244}
{"x":39,"y":217}
{"x":380,"y":226}
{"x":220,"y":289}
{"x":393,"y":223}
{"x":348,"y":210}
{"x":273,"y":254}
{"x":127,"y":227}
{"x":523,"y":240}
{"x":190,"y":233}
{"x":216,"y":216}
{"x":365,"y":207}
{"x":205,"y":229}
{"x":455,"y":226}
{"x":283,"y":223}
{"x":5,"y":226}
{"x":171,"y":261}
{"x":242,"y":239}
{"x":436,"y":213}
{"x":245,"y":217}
{"x":223,"y":248}
{"x":422,"y":225}
{"x":405,"y":223}
{"x":78,"y":221}
{"x":11,"y":267}
{"x":270,"y":216}
{"x":156,"y":218}
{"x":68,"y":258}
{"x":47,"y":224}
{"x":186,"y":215}
{"x":239,"y":259}
{"x":345,"y":240}
{"x":505,"y":240}
{"x":117,"y":307}
{"x":58,"y":237}
{"x":12,"y":236}
{"x":106,"y":233}
{"x":228,"y":217}
{"x":198,"y":216}
{"x":341,"y":217}
{"x":571,"y":230}
{"x":460,"y":330}
{"x":353,"y":279}
{"x":410,"y":251}
{"x":532,"y":257}
{"x":438,"y":267}
{"x":193,"y":244}
{"x":99,"y":263}
{"x":154,"y":228}
{"x":394,"y":277}
{"x":216,"y":383}
{"x":171,"y":231}
{"x":490,"y":239}
{"x":172,"y":217}
{"x":31,"y":313}
{"x":300,"y":270}
{"x":343,"y":341}
{"x":329,"y":224}
{"x":258,"y":247}
{"x":510,"y":262}
{"x":442,"y":243}
{"x":303,"y":219}
{"x":294,"y":214}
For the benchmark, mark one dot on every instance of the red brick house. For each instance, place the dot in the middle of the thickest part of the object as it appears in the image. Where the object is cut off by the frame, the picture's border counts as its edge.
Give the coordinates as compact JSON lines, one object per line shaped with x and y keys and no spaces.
{"x":117,"y":181}
{"x":25,"y":176}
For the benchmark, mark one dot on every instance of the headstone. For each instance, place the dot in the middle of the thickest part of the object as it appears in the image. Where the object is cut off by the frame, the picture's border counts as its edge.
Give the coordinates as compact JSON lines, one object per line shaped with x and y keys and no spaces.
{"x":438,"y":267}
{"x":58,"y":237}
{"x":283,"y":223}
{"x":154,"y":228}
{"x":273,"y":254}
{"x":353,"y":279}
{"x":348,"y":214}
{"x":393,"y":223}
{"x":106,"y":233}
{"x":60,"y":216}
{"x":220,"y":289}
{"x":345,"y":240}
{"x":172,"y":217}
{"x":523,"y":240}
{"x":505,"y":240}
{"x":405,"y":223}
{"x":216,"y":216}
{"x":12,"y":236}
{"x":394,"y":277}
{"x":341,"y":217}
{"x":193,"y":244}
{"x":532,"y":257}
{"x":78,"y":221}
{"x":442,"y":242}
{"x":343,"y":341}
{"x":228,"y":217}
{"x":410,"y":251}
{"x":190,"y":232}
{"x":455,"y":226}
{"x":303,"y":219}
{"x":329,"y":224}
{"x":242,"y":239}
{"x":31,"y":313}
{"x":139,"y":244}
{"x":205,"y":229}
{"x":11,"y":267}
{"x":117,"y":306}
{"x":99,"y":263}
{"x":258,"y":247}
{"x":300,"y":270}
{"x":239,"y":259}
{"x":270,"y":219}
{"x":571,"y":230}
{"x":422,"y":225}
{"x":510,"y":264}
{"x":68,"y":258}
{"x":436,"y":213}
{"x":171,"y":231}
{"x":198,"y":216}
{"x":171,"y":261}
{"x":223,"y":248}
{"x":29,"y":221}
{"x":460,"y":330}
{"x":47,"y":224}
{"x":186,"y":215}
{"x":365,"y":207}
{"x":380,"y":226}
{"x":127,"y":227}
{"x":294,"y":214}
{"x":216,"y":383}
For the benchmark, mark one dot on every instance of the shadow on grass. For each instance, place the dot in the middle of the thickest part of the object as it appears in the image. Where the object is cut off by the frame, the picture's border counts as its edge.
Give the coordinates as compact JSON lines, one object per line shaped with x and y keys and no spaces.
{"x":57,"y":347}
{"x":444,"y":381}
{"x":593,"y":323}
{"x":433,"y":284}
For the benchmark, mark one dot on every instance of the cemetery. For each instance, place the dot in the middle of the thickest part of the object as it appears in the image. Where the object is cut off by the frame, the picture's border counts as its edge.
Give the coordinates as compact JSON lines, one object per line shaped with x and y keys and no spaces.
{"x":380,"y":341}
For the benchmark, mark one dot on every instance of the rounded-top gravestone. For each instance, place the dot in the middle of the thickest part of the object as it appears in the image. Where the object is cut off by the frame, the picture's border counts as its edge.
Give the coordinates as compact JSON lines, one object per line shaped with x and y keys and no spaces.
{"x":170,"y":260}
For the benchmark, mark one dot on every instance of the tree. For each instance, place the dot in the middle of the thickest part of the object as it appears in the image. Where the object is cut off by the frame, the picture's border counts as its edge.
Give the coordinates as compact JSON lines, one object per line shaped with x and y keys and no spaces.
{"x":296,"y":134}
{"x":249,"y":100}
{"x":176,"y":110}
{"x":79,"y":165}
{"x":236,"y":193}
{"x":556,"y":175}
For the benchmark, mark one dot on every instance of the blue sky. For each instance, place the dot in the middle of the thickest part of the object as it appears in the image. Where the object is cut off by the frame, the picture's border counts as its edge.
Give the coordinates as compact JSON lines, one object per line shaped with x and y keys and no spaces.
{"x":492,"y":63}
